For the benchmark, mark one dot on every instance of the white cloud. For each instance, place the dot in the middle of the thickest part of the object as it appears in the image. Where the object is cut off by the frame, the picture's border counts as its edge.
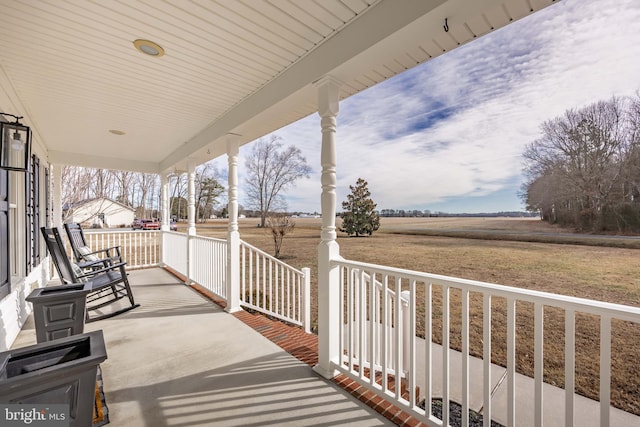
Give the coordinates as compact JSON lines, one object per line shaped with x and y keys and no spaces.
{"x":453,"y":129}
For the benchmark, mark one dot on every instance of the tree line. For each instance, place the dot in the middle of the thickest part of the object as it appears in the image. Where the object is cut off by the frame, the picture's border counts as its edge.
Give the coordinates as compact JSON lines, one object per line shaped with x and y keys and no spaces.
{"x":584,"y":171}
{"x":271,"y":170}
{"x":141,"y":191}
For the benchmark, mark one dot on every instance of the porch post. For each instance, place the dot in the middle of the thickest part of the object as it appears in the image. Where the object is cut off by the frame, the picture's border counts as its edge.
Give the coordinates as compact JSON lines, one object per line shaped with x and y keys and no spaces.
{"x":164,"y":183}
{"x":328,"y":277}
{"x":233,"y":235}
{"x":191,"y":174}
{"x":56,"y":175}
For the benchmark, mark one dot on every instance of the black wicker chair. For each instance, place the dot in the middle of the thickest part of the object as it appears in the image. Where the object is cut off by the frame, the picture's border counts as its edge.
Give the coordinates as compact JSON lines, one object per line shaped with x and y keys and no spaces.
{"x":108,"y":283}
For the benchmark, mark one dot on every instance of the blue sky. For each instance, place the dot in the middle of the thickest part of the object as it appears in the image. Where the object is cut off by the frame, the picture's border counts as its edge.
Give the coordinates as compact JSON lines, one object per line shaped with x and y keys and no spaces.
{"x":448,"y":135}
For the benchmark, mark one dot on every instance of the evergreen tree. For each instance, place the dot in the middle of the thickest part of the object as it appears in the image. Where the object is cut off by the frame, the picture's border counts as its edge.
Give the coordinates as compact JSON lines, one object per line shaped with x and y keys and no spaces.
{"x":359,"y":216}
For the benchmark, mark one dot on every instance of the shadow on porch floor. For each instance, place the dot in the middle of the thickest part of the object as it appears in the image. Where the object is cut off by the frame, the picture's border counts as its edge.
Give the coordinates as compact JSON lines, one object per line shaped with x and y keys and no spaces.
{"x":180,"y":360}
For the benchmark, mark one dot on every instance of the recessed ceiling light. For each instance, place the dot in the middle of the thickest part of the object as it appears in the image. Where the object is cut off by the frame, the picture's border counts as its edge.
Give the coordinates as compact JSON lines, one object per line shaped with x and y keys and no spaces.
{"x":116,"y":132}
{"x":148,"y":47}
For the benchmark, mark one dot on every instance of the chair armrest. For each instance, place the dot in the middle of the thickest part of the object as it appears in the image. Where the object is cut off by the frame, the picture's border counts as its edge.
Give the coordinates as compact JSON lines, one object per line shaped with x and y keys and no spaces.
{"x":92,"y":273}
{"x":107,"y":250}
{"x":105,"y":261}
{"x":90,"y":264}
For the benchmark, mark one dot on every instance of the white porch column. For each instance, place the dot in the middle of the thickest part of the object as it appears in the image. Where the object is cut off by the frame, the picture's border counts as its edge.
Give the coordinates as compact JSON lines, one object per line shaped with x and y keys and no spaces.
{"x":164,"y":185}
{"x":233,"y":235}
{"x":328,"y":295}
{"x":56,"y":178}
{"x":191,"y":175}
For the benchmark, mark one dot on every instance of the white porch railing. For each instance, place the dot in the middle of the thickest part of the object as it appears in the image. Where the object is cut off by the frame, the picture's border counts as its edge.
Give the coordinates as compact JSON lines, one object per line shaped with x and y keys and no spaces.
{"x":138,"y":248}
{"x":200,"y":259}
{"x":272,"y":287}
{"x":208,"y":263}
{"x":175,"y":250}
{"x":362,"y":335}
{"x":371,"y":316}
{"x":266,"y":284}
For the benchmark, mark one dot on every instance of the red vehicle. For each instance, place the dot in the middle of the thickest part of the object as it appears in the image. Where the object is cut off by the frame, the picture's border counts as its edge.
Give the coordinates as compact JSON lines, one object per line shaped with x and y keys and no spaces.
{"x":145,"y":224}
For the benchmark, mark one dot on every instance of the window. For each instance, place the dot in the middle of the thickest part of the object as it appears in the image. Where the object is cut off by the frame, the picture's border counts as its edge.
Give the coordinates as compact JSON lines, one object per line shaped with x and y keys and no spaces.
{"x":20,"y":242}
{"x":17,"y":224}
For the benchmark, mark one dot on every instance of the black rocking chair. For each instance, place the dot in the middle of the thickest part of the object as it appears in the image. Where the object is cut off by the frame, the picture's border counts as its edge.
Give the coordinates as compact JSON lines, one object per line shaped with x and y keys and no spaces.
{"x":108,"y":283}
{"x":85,"y":257}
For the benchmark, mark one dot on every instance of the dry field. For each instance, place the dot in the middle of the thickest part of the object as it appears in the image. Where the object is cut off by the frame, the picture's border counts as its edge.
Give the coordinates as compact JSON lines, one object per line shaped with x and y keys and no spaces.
{"x":597,"y":272}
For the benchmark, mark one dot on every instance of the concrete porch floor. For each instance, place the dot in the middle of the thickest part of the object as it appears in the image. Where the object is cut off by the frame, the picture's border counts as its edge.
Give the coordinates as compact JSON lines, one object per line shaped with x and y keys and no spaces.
{"x":180,"y":360}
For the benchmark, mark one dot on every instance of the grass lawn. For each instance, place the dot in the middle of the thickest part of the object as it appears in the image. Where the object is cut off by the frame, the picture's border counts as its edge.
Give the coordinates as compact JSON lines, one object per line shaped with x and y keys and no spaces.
{"x":602,"y":273}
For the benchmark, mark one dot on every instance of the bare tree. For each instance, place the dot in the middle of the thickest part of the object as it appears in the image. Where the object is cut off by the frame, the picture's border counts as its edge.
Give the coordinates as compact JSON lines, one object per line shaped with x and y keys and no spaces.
{"x":208,"y":190}
{"x":271,"y":171}
{"x":124,"y":185}
{"x":280,"y":226}
{"x":146,"y":184}
{"x":76,"y":186}
{"x":579,"y":171}
{"x":178,"y":199}
{"x":139,"y":190}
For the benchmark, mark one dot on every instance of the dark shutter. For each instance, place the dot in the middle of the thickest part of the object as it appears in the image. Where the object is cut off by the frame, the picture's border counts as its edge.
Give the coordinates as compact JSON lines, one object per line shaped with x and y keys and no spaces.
{"x":47,"y":200}
{"x":35,"y":229}
{"x":32,"y":184}
{"x":28,"y":241}
{"x":5,"y":274}
{"x":47,"y":204}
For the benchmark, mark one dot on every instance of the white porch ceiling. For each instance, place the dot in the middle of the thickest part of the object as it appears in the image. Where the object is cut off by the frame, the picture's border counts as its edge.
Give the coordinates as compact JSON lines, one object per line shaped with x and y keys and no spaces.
{"x":230,"y":66}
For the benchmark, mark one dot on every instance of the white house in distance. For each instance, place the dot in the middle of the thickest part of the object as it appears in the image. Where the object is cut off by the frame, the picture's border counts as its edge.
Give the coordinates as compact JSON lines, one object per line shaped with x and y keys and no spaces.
{"x":101,"y":211}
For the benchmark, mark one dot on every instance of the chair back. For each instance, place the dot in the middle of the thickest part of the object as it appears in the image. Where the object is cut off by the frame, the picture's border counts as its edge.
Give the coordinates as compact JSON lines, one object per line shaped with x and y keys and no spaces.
{"x":76,"y":239}
{"x":58,"y":254}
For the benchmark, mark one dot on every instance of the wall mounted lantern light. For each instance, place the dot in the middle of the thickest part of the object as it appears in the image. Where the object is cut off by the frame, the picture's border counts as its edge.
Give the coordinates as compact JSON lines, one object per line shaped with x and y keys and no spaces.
{"x":15,"y":144}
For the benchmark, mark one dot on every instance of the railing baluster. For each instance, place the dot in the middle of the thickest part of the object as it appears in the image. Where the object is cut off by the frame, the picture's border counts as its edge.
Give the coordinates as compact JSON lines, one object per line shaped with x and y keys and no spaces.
{"x":145,"y":253}
{"x":605,"y":370}
{"x":411,"y":327}
{"x":263,"y":288}
{"x":538,"y":363}
{"x":362,"y":323}
{"x":284,"y":292}
{"x":342,"y":274}
{"x":350,"y":318}
{"x":376,"y":321}
{"x":243,"y":273}
{"x":465,"y":358}
{"x":397,"y":345}
{"x":272,"y":295}
{"x":292,"y":294}
{"x":428,"y":336}
{"x":288,"y":294}
{"x":569,"y":365}
{"x":445,"y":354}
{"x":372,"y":323}
{"x":486,"y":360}
{"x":384,"y":337}
{"x":251,"y":278}
{"x":511,"y":362}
